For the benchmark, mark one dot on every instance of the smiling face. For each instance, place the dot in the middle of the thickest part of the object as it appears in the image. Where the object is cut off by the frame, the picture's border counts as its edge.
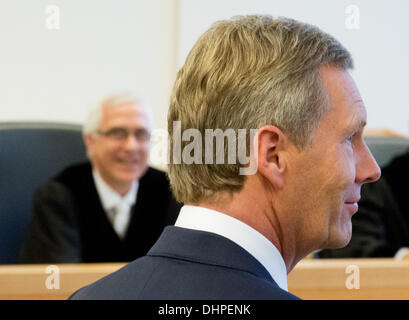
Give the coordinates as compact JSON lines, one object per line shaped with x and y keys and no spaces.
{"x":120,"y":160}
{"x":325,"y":178}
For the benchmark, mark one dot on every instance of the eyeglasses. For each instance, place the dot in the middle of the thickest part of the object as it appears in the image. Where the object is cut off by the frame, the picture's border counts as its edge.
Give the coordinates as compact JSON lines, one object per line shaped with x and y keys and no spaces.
{"x":121,"y":134}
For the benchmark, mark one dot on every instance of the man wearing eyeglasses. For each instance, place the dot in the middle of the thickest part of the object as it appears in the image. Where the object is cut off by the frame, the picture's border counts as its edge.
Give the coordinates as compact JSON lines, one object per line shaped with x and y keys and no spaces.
{"x":110,"y":209}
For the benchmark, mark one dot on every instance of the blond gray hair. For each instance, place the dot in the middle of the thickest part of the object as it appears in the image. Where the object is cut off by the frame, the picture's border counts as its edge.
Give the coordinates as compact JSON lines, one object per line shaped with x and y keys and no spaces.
{"x":247,"y":72}
{"x":94,"y":117}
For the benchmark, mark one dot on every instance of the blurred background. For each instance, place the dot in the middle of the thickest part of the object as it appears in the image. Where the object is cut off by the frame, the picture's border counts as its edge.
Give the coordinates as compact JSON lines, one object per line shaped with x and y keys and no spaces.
{"x":59,"y":57}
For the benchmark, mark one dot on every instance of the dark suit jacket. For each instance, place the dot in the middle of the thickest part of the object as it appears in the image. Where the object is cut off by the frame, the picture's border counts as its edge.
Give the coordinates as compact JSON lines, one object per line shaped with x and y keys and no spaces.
{"x":70,"y":225}
{"x":188,"y":264}
{"x":381,"y":225}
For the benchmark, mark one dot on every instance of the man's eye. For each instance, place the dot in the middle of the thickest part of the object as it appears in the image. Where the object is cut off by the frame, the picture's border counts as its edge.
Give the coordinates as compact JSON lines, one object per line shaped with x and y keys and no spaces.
{"x":351,"y":137}
{"x":117,"y":133}
{"x":142,"y":134}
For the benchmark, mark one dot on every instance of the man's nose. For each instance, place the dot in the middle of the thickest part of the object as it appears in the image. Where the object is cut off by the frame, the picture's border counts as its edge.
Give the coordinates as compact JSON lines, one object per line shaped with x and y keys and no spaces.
{"x":131,"y":142}
{"x":367,"y":169}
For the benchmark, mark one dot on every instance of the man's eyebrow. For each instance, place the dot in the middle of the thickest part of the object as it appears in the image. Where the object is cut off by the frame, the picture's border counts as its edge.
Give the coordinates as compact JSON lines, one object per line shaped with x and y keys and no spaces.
{"x":361,"y":124}
{"x":355,"y":126}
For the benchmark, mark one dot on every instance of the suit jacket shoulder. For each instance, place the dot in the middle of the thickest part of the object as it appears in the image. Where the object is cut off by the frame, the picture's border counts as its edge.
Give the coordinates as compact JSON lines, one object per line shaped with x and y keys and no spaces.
{"x":188,"y":264}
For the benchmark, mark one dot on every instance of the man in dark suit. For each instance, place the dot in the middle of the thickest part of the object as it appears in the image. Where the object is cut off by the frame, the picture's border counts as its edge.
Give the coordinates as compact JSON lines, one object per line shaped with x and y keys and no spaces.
{"x":381,"y":226}
{"x":279,"y":91}
{"x":111,"y":209}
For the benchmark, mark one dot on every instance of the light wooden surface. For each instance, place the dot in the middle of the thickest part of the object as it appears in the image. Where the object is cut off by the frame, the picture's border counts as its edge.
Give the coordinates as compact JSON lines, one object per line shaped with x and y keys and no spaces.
{"x":381,"y":132}
{"x":310,"y":279}
{"x":21,"y":282}
{"x":329,"y":279}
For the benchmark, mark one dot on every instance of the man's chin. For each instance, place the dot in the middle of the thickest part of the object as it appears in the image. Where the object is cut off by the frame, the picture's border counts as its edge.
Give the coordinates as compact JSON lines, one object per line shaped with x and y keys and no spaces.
{"x":339,"y":242}
{"x":340,"y":235}
{"x":131,"y":174}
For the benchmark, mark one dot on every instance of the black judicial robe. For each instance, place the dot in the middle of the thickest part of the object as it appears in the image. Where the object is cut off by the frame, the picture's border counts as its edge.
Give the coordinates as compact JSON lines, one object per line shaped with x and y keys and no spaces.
{"x":69,"y":224}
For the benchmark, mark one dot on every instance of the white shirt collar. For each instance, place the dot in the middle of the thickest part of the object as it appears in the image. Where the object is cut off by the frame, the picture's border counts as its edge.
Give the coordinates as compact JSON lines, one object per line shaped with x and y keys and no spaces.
{"x":109,"y":197}
{"x":199,"y":218}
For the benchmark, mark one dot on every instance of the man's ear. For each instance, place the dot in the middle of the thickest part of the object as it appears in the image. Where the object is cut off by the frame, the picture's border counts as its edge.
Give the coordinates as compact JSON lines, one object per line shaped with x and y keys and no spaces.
{"x":271,"y":145}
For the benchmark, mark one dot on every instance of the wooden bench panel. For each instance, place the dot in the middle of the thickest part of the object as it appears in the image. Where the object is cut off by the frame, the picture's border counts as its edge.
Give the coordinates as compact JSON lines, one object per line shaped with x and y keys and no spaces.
{"x":310,"y":279}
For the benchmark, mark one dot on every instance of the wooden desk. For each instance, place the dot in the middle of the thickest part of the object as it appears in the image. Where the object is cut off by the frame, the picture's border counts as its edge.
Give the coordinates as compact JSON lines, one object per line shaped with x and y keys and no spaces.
{"x":311,"y":279}
{"x":22,"y":282}
{"x":327,"y":279}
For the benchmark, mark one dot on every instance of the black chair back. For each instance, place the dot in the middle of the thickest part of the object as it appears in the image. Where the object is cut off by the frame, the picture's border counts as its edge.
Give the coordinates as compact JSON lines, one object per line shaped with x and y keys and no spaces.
{"x":30,"y":154}
{"x":384,"y":149}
